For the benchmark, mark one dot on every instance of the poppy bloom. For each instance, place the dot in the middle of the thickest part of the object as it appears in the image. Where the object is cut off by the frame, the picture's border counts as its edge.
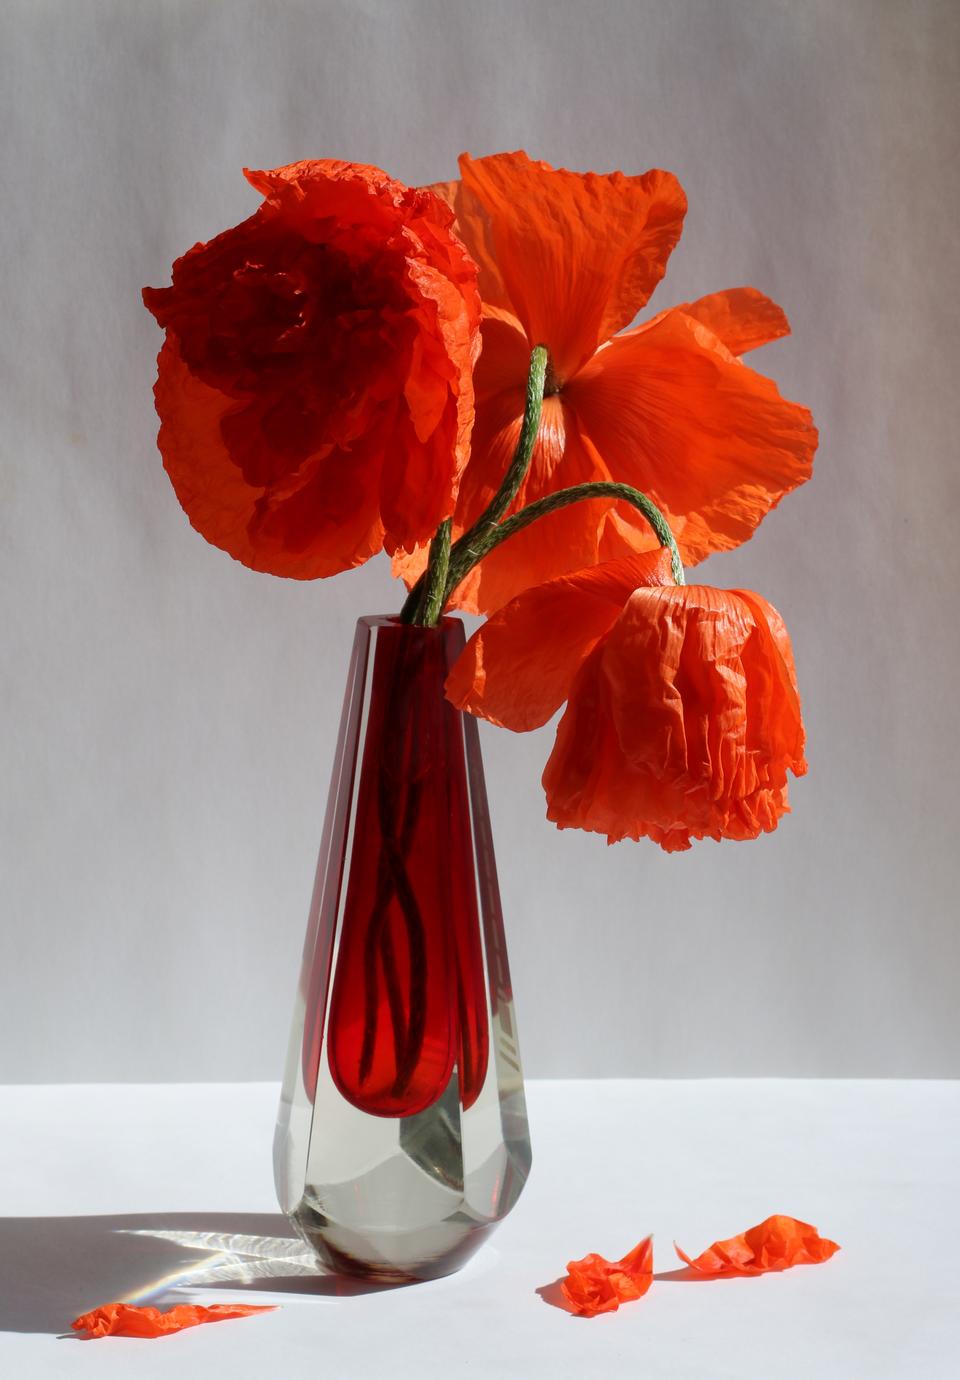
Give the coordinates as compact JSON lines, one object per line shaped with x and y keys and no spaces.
{"x":315,"y":388}
{"x":567,"y":260}
{"x":682,"y":717}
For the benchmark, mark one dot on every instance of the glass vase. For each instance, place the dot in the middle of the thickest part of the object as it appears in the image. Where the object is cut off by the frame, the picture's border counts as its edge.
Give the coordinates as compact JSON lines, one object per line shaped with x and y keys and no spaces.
{"x":402,"y":1134}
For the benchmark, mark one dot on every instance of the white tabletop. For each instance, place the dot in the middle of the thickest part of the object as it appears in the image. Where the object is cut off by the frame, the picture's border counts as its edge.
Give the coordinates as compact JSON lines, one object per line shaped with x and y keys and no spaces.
{"x":91,"y":1176}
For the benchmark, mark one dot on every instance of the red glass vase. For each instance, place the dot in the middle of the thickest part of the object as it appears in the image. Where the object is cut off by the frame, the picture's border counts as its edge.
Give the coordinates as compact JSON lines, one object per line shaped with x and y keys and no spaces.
{"x":402,"y":1137}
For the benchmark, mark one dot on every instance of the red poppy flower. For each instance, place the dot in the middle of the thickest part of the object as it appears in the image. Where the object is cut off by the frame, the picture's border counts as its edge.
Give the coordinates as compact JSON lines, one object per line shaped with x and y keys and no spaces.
{"x":315,"y":388}
{"x":567,"y":260}
{"x":682,"y":717}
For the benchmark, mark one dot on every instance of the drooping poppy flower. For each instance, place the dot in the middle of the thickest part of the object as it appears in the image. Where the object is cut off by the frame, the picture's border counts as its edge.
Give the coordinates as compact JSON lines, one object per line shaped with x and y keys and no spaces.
{"x":776,"y":1244}
{"x":315,"y":388}
{"x":594,"y":1285}
{"x":682,"y":717}
{"x":567,"y":260}
{"x":135,"y":1320}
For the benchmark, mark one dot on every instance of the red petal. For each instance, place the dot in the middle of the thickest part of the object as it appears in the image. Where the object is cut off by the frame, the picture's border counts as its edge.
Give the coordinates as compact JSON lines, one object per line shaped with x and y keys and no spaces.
{"x":578,"y":254}
{"x":130,"y":1320}
{"x":778,"y":1243}
{"x":517,"y":669}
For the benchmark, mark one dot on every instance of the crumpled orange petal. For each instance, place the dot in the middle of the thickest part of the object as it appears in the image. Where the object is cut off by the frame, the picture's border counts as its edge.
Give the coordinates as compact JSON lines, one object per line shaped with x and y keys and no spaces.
{"x":131,"y":1320}
{"x":516,"y":671}
{"x":594,"y":1285}
{"x":775,"y":1244}
{"x":577,"y":254}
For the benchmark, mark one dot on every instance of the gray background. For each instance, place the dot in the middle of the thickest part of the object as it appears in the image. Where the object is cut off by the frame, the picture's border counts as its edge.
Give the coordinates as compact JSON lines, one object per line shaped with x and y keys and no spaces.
{"x":168,"y":718}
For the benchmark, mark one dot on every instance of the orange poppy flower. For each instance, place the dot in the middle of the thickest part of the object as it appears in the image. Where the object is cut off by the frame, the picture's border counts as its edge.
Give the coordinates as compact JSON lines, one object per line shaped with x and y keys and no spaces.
{"x":567,"y":260}
{"x":682,"y":717}
{"x":776,"y":1244}
{"x":315,"y":389}
{"x":595,"y":1285}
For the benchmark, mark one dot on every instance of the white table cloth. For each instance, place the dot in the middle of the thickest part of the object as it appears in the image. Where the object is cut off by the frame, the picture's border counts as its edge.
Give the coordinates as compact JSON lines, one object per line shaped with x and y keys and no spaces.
{"x":130,"y":1191}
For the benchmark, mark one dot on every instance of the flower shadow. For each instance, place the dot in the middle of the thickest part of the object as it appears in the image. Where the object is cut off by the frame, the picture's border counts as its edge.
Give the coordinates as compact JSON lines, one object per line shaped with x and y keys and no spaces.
{"x":553,"y":1295}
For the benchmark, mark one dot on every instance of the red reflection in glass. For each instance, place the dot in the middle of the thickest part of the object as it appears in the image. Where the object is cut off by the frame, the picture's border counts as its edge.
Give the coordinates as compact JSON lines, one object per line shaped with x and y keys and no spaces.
{"x":409,"y":999}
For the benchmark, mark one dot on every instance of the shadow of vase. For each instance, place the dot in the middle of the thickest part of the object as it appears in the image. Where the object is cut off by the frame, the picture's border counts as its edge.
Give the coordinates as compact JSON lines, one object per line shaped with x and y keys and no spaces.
{"x":54,"y":1268}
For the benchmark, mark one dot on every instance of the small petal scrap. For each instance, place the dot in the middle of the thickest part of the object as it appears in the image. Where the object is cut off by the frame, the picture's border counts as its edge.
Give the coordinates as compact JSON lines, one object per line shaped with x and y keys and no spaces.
{"x":132,"y":1320}
{"x":777,"y":1243}
{"x":595,"y":1285}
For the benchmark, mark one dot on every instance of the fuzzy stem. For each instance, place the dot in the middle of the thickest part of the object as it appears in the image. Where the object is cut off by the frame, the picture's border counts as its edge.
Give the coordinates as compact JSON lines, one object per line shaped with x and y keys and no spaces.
{"x":476,"y":536}
{"x":597,"y":489}
{"x":462,"y":555}
{"x":424,"y":603}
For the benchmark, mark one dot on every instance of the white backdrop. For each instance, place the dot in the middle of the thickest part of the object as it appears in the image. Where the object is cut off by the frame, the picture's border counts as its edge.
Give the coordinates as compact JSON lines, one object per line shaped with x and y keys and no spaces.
{"x":168,"y":718}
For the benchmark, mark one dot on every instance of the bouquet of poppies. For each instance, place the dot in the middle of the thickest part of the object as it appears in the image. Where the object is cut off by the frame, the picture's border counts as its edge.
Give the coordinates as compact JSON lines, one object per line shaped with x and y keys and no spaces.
{"x":452,"y":374}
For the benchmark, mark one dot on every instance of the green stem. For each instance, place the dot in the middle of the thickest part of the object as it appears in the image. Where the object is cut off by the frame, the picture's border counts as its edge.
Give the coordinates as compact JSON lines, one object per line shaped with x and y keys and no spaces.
{"x":477,"y":535}
{"x":424,"y":604}
{"x":449,"y":565}
{"x":600,"y":488}
{"x":462,"y":555}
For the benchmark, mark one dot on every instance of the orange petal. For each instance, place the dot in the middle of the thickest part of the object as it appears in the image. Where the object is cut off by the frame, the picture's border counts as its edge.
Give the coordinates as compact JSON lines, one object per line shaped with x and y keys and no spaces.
{"x":742,"y":318}
{"x":517,"y":669}
{"x":578,"y":254}
{"x":129,"y":1320}
{"x":565,"y":541}
{"x":776,"y":1244}
{"x":472,"y":224}
{"x":594,"y":1285}
{"x":670,"y":410}
{"x":314,"y":528}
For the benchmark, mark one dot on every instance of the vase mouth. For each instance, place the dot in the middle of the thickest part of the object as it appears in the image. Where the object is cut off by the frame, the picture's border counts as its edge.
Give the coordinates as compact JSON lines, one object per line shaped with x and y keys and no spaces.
{"x":393,"y":620}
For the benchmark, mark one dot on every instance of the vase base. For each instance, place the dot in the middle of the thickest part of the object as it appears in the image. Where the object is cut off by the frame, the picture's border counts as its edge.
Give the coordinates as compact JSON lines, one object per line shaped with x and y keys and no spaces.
{"x":390,"y":1256}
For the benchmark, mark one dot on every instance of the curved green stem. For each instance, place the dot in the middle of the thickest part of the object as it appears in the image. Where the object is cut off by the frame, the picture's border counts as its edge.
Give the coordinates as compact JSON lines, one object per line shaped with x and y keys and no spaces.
{"x":600,"y":488}
{"x":424,"y":603}
{"x":421,"y":605}
{"x":476,"y":536}
{"x":449,"y":565}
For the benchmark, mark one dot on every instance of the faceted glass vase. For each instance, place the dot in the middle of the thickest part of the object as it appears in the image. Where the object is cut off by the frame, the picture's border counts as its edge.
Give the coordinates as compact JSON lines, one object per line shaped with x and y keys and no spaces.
{"x":402,"y":1134}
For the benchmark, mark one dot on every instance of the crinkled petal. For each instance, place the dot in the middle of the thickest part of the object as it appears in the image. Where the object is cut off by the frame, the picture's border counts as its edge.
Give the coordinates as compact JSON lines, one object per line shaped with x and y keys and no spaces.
{"x":595,"y":1285}
{"x":670,"y":410}
{"x":517,"y":669}
{"x":742,"y":318}
{"x":577,"y":254}
{"x":681,"y":724}
{"x":778,"y":1243}
{"x":322,"y":519}
{"x":133,"y":1320}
